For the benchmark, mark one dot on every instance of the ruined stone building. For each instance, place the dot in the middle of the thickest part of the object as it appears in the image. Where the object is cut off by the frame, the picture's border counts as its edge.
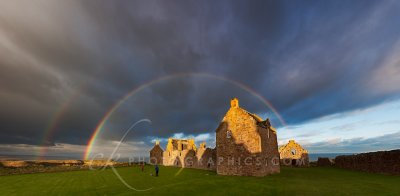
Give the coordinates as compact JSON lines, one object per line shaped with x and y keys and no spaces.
{"x":177,"y":150}
{"x":292,"y":154}
{"x":246,"y":145}
{"x":183,"y":153}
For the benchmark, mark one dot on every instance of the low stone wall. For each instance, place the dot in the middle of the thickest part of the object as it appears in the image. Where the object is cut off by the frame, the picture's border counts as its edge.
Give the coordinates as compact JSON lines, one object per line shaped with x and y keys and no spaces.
{"x":302,"y":162}
{"x":387,"y":162}
{"x":23,"y":167}
{"x":54,"y":163}
{"x":13,"y":163}
{"x":324,"y":162}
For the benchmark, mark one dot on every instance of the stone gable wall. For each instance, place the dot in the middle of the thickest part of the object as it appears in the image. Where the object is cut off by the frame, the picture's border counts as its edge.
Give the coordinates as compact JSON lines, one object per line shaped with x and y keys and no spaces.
{"x":243,"y":148}
{"x":156,"y":155}
{"x":292,"y":154}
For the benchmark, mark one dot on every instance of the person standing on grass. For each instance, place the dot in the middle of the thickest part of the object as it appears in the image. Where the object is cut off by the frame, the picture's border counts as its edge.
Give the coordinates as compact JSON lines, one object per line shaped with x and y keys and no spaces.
{"x":156,"y":170}
{"x":142,"y":167}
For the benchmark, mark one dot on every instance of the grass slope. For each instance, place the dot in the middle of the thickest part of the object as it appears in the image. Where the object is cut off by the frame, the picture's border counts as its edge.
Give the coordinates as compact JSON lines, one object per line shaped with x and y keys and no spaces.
{"x":176,"y":181}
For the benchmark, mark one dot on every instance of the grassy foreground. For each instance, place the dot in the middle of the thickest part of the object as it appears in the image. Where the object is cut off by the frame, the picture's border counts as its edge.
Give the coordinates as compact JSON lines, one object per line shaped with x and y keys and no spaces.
{"x":176,"y":181}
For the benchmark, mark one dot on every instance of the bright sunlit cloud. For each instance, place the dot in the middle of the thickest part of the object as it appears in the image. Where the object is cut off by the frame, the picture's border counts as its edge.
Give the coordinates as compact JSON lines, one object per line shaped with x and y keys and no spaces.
{"x":361,"y":125}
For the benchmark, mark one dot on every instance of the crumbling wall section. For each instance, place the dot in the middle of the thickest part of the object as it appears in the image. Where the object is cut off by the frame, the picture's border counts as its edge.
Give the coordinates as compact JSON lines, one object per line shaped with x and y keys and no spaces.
{"x":387,"y":162}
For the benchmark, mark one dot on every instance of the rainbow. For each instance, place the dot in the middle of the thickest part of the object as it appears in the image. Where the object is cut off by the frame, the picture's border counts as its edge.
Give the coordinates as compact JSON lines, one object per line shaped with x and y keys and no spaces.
{"x":107,"y":115}
{"x":55,"y":121}
{"x":48,"y":134}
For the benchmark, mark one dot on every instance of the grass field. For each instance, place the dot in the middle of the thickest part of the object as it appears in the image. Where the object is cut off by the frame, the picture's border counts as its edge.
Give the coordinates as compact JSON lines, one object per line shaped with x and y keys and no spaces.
{"x":175,"y":181}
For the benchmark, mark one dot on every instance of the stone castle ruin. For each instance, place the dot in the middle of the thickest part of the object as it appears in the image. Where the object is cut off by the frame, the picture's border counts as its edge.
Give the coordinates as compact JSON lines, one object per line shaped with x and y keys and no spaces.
{"x":246,"y":145}
{"x":292,"y":154}
{"x":183,"y":153}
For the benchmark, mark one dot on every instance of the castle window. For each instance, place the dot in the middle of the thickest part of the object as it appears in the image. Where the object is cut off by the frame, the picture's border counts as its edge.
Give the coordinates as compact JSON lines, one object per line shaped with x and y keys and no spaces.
{"x":228,"y":134}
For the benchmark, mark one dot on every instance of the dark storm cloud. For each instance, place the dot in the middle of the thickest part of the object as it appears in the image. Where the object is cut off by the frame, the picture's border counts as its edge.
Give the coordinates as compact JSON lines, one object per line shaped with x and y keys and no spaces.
{"x":308,"y":58}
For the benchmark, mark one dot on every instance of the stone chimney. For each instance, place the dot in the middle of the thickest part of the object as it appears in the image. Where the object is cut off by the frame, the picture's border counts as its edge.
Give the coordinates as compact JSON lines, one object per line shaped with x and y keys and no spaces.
{"x":234,"y":103}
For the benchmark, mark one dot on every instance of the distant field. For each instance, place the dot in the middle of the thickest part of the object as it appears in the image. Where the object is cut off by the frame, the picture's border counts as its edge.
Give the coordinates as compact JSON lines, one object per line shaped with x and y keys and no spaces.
{"x":175,"y":181}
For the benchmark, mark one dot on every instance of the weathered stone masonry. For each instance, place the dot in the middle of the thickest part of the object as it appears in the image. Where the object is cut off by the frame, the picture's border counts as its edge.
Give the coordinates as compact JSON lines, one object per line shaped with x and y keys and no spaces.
{"x":293,"y":154}
{"x":387,"y":162}
{"x":183,"y":153}
{"x":246,"y":145}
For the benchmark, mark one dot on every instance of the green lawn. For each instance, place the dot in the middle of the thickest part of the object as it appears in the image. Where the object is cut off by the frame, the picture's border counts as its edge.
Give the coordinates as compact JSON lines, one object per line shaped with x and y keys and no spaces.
{"x":176,"y":181}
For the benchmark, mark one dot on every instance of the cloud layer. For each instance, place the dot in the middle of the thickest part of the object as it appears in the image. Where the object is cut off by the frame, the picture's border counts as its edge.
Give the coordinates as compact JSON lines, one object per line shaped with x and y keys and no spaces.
{"x":64,"y":64}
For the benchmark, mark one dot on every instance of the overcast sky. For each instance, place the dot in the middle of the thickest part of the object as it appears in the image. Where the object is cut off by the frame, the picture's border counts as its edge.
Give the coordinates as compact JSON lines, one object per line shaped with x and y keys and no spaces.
{"x":328,"y":68}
